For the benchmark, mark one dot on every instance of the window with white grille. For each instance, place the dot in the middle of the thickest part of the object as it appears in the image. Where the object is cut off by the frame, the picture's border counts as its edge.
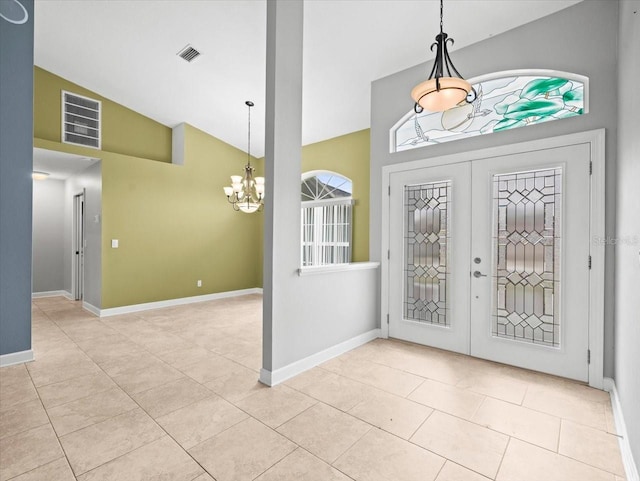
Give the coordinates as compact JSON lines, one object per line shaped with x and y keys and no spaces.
{"x":326,"y":219}
{"x":81,"y":119}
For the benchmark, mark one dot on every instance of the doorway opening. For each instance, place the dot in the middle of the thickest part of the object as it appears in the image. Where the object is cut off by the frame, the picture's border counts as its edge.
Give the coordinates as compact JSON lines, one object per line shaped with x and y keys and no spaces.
{"x":78,"y":246}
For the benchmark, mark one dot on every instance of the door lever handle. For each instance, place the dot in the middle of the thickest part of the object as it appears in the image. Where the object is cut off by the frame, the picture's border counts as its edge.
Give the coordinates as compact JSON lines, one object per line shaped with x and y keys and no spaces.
{"x":478,"y":274}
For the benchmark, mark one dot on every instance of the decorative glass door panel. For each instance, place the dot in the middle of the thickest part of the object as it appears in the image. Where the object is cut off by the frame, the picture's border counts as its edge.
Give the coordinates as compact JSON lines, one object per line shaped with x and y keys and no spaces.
{"x":527,"y":210}
{"x":530,"y":223}
{"x":426,"y":252}
{"x":429,"y":252}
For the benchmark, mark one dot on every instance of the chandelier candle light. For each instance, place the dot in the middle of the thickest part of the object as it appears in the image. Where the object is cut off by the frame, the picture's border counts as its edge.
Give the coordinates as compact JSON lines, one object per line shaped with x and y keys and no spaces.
{"x":439,"y":93}
{"x":246,"y":193}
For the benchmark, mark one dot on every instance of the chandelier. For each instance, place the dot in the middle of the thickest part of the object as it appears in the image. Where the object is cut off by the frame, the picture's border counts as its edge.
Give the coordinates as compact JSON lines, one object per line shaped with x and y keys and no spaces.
{"x":246,"y":193}
{"x":439,"y":93}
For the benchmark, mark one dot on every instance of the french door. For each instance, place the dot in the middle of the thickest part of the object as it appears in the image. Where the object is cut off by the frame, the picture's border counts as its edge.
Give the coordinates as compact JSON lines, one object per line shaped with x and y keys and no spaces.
{"x":490,"y":258}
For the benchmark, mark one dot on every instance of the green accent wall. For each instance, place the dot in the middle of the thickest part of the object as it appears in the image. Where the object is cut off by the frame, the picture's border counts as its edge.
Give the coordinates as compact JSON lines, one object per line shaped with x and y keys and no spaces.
{"x":347,"y":155}
{"x":173,"y":222}
{"x":123,"y":130}
{"x":175,"y":226}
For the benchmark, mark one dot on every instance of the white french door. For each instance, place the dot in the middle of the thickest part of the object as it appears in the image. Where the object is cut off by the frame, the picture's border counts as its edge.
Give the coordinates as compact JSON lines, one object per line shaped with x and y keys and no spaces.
{"x":490,"y":258}
{"x":429,"y":251}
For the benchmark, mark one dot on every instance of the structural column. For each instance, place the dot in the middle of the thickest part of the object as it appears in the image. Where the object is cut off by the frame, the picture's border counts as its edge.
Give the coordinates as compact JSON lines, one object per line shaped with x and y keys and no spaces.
{"x":283,"y":140}
{"x":16,"y":165}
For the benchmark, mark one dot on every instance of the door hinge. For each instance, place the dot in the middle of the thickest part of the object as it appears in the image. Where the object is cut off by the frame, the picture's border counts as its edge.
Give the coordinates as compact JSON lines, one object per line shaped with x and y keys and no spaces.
{"x":389,"y":190}
{"x":590,"y":167}
{"x":589,"y":262}
{"x":588,"y":356}
{"x":387,"y":318}
{"x":388,"y":254}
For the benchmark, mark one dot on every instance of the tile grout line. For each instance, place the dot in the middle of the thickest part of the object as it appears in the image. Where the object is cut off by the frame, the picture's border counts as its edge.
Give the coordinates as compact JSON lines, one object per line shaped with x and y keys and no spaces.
{"x":137,"y":404}
{"x":54,"y":431}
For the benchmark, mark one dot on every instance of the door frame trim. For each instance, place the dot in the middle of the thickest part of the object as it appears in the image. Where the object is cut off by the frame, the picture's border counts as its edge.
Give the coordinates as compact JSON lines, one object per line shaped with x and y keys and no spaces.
{"x":596,"y":141}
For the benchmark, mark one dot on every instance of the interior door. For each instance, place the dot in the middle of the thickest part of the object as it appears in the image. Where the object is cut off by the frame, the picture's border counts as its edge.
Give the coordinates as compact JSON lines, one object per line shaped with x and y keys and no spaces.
{"x":530,"y":234}
{"x":429,"y":256}
{"x":490,"y":257}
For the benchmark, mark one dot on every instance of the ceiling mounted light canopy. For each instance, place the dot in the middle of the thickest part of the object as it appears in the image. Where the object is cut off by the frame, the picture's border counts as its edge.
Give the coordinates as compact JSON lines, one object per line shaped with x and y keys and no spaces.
{"x":439,"y":93}
{"x":37,"y":175}
{"x":246,"y":193}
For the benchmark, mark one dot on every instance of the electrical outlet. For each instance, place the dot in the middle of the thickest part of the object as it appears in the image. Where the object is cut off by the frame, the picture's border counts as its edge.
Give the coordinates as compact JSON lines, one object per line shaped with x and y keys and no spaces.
{"x":199,"y":283}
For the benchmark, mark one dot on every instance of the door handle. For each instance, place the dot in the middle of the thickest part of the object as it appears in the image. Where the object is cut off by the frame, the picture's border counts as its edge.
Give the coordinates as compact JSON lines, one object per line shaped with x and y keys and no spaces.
{"x":478,"y":274}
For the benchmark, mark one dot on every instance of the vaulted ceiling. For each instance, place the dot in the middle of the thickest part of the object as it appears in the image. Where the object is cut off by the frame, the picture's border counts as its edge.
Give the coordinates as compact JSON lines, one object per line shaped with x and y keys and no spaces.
{"x":126,"y":51}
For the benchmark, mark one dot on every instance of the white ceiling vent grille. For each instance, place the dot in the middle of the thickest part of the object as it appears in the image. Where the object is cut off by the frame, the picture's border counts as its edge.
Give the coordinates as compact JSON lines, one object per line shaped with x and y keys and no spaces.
{"x":188,"y":53}
{"x":81,"y":118}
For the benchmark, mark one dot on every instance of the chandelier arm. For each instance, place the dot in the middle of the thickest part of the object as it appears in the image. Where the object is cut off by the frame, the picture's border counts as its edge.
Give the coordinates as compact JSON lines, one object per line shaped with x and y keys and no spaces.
{"x":450,"y":64}
{"x":433,"y":69}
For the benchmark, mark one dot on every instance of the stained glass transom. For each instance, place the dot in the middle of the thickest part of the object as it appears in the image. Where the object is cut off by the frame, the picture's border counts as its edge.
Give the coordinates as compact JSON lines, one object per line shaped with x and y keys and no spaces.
{"x":527,"y":238}
{"x":426,"y":210}
{"x":503,"y":103}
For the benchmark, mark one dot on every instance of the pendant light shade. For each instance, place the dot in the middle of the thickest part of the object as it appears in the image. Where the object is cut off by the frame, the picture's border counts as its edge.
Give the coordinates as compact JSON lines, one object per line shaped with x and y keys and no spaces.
{"x":439,"y":92}
{"x":438,"y":98}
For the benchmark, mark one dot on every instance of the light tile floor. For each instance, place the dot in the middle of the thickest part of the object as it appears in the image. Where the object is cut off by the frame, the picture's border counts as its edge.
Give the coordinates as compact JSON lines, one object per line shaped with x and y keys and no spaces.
{"x":172,"y":394}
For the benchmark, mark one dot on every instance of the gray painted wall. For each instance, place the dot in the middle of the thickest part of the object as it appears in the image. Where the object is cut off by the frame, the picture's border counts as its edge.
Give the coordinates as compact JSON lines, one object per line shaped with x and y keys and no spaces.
{"x":16,"y":164}
{"x":90,"y":181}
{"x":302,"y":315}
{"x":580,"y":39}
{"x":628,"y":225}
{"x":48,"y":235}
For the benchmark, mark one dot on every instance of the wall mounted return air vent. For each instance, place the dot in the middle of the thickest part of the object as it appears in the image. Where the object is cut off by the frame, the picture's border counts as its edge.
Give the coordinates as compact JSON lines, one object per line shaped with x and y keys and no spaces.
{"x":81,"y":118}
{"x":189,"y":53}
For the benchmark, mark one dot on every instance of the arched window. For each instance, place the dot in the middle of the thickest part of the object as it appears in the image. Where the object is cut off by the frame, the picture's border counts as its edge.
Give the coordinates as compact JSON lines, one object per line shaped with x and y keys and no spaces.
{"x":326,"y":218}
{"x":505,"y":100}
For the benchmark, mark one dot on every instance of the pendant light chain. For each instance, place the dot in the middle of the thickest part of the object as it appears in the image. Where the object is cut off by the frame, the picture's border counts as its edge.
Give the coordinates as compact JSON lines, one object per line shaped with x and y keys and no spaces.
{"x":445,"y":88}
{"x":249,"y":136}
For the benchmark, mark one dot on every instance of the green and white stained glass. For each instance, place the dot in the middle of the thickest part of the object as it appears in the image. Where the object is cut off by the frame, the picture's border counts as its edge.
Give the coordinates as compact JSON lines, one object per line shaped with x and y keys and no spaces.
{"x":505,"y":100}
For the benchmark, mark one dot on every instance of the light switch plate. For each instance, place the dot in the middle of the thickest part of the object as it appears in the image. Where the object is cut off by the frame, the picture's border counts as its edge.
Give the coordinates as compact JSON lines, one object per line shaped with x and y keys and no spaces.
{"x":114,"y":243}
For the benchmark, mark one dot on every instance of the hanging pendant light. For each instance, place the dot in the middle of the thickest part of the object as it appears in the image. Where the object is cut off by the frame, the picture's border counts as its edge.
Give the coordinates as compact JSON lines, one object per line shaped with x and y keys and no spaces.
{"x":439,"y":93}
{"x":246,"y":193}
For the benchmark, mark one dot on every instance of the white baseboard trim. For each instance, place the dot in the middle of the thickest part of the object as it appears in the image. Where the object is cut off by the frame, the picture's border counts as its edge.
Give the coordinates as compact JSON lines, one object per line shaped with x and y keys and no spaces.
{"x":630,"y":467}
{"x":115,"y":311}
{"x":272,"y":378}
{"x":91,"y":308}
{"x":37,"y":295}
{"x":16,"y":358}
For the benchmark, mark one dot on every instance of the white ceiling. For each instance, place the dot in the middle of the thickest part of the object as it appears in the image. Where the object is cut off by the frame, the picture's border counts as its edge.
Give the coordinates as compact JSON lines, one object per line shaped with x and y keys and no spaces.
{"x":59,"y":165}
{"x":126,"y":51}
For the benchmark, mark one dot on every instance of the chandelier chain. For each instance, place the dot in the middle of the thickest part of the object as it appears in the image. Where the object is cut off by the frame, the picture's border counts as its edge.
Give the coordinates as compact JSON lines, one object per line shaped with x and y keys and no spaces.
{"x":441,"y":14}
{"x":249,"y":136}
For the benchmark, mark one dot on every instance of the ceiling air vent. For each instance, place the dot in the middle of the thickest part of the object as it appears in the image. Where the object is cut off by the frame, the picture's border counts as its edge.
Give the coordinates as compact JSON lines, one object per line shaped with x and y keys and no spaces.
{"x":188,"y":53}
{"x":80,"y":120}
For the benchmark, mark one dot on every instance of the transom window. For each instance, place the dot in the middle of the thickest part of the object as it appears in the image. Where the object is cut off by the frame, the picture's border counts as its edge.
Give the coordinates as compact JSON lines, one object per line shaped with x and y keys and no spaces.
{"x":504,"y":101}
{"x":326,"y":218}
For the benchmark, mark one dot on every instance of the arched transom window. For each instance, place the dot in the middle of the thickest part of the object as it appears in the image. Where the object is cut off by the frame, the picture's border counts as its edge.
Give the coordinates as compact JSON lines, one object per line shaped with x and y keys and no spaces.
{"x":505,"y":100}
{"x":326,"y":218}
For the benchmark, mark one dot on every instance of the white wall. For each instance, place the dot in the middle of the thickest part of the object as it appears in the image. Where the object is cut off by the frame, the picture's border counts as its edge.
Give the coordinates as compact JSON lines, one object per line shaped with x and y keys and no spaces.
{"x":90,"y":181}
{"x":302,"y":316}
{"x":627,"y":359}
{"x":48,"y":235}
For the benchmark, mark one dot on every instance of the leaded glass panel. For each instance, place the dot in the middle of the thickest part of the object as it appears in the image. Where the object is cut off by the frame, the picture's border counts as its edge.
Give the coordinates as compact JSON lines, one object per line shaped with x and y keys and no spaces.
{"x":504,"y":101}
{"x":527,"y":207}
{"x":426,"y":253}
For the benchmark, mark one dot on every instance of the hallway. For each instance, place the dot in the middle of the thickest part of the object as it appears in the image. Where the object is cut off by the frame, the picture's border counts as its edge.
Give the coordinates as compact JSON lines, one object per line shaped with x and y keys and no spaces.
{"x":173,"y":394}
